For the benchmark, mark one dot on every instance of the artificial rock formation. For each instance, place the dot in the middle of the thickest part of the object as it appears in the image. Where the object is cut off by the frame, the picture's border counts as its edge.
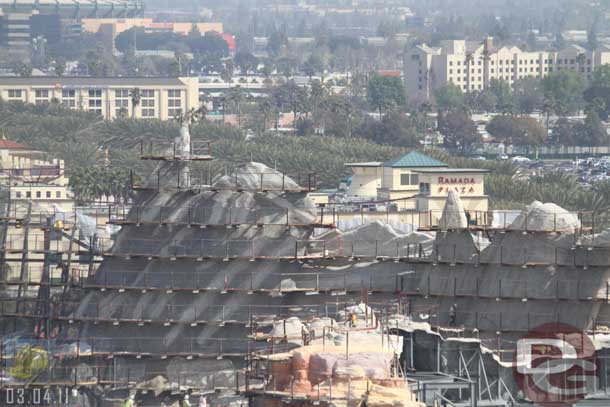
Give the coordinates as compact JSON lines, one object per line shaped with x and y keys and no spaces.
{"x":453,"y":216}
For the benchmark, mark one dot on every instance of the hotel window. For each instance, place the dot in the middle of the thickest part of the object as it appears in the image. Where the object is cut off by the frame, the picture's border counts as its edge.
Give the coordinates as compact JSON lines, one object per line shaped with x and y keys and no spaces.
{"x":48,"y":194}
{"x":15,"y":93}
{"x":148,"y":102}
{"x":121,"y":93}
{"x":68,"y":98}
{"x":450,"y":71}
{"x":95,"y":101}
{"x":28,"y":194}
{"x":41,"y":95}
{"x":450,"y":63}
{"x":409,"y":179}
{"x":57,"y":194}
{"x":121,"y":107}
{"x":492,"y":70}
{"x":38,"y":194}
{"x":121,"y":102}
{"x":18,"y":194}
{"x":424,"y":188}
{"x":174,"y":102}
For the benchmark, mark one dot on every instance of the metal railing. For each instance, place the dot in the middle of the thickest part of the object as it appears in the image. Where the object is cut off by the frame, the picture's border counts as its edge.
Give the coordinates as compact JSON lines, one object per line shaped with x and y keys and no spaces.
{"x":518,"y":289}
{"x":215,"y":216}
{"x":166,"y":314}
{"x":216,"y":181}
{"x":170,"y":150}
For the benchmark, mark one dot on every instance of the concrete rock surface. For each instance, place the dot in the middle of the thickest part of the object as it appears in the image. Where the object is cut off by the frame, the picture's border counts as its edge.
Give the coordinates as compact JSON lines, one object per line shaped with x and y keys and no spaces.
{"x":453,"y":216}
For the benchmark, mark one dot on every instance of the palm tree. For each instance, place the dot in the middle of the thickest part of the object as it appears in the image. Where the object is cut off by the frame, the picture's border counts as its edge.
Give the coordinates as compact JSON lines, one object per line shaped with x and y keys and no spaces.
{"x":581,"y":58}
{"x":135,"y":100}
{"x":236,"y":97}
{"x":469,"y":59}
{"x":223,"y":103}
{"x":485,"y":58}
{"x":267,"y":108}
{"x":317,"y":92}
{"x":550,"y":106}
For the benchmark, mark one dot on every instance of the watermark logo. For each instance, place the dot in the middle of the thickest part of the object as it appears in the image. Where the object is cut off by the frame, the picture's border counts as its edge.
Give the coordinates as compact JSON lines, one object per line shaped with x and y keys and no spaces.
{"x":555,"y":365}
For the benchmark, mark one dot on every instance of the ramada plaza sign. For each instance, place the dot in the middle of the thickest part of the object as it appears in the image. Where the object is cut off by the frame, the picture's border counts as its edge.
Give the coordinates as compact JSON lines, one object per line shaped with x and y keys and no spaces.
{"x":460,"y":185}
{"x":454,"y":180}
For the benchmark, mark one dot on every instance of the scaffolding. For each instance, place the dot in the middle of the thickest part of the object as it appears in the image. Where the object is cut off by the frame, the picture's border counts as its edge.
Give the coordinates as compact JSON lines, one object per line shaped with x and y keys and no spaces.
{"x":162,"y":150}
{"x":277,"y":271}
{"x":201,"y":181}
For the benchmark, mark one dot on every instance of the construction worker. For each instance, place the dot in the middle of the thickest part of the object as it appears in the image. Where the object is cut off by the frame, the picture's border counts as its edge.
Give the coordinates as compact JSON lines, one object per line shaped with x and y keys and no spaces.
{"x":452,"y":314}
{"x":186,"y":402}
{"x":130,"y":402}
{"x":353,"y":318}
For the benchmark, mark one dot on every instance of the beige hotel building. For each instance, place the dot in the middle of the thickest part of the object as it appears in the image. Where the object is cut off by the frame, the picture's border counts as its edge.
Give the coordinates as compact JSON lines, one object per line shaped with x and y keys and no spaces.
{"x":159,"y":98}
{"x":472,"y":65}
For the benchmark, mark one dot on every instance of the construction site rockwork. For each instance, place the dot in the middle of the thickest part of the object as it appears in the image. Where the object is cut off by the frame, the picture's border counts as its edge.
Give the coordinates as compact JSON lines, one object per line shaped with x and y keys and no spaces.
{"x":239,"y":291}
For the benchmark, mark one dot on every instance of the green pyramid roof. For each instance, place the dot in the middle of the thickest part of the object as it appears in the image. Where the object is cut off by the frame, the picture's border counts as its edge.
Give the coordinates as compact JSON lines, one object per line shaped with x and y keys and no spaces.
{"x":414,"y":159}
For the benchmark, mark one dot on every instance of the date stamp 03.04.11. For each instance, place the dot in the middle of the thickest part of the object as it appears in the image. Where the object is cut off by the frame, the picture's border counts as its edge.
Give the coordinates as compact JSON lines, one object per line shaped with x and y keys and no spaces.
{"x":36,"y":396}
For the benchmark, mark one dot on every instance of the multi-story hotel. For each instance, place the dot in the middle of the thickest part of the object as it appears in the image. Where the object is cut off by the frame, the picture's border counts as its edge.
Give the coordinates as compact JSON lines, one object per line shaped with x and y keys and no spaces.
{"x":153,"y":98}
{"x":472,"y":65}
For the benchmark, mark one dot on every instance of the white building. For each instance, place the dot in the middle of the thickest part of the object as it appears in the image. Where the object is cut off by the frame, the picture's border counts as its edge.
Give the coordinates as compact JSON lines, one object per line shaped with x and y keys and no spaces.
{"x":471,"y":65}
{"x":417,"y":182}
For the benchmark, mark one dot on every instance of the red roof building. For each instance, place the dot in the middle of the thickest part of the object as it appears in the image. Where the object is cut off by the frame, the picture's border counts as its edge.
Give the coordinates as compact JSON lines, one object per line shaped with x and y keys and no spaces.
{"x":230,"y":41}
{"x":11,"y":145}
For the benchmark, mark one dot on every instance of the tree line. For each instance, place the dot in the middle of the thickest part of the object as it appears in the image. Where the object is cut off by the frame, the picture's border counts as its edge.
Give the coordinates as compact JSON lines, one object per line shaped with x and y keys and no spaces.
{"x":558,"y":95}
